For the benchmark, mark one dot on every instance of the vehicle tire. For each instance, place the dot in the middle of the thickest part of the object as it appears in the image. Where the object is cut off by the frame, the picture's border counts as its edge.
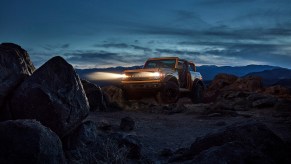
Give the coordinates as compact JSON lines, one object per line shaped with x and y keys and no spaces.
{"x":169,"y":94}
{"x":197,"y":94}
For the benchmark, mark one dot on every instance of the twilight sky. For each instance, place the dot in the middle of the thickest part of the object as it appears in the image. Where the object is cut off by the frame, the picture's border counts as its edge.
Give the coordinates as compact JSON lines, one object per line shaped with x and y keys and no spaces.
{"x":106,"y":33}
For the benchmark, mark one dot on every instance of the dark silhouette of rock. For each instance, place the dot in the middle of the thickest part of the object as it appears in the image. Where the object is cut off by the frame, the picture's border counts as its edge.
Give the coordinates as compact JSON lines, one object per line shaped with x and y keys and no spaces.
{"x":132,"y":144}
{"x":232,"y":152}
{"x":53,"y":95}
{"x":249,"y":83}
{"x":260,"y":100}
{"x":279,"y":91}
{"x":104,"y":125}
{"x":250,"y":142}
{"x":79,"y":145}
{"x":127,"y":124}
{"x":15,"y":66}
{"x":95,"y":96}
{"x":82,"y":136}
{"x":174,"y":108}
{"x":27,"y":141}
{"x":114,"y":97}
{"x":166,"y":152}
{"x":226,"y":83}
{"x":222,"y":80}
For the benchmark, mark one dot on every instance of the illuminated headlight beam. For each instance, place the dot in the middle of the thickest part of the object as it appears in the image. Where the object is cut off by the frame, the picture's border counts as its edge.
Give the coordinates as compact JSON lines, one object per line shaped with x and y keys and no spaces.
{"x":105,"y":76}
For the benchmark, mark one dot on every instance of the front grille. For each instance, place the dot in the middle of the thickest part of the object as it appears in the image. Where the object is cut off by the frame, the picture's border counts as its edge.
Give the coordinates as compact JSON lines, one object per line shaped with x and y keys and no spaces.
{"x":137,"y":76}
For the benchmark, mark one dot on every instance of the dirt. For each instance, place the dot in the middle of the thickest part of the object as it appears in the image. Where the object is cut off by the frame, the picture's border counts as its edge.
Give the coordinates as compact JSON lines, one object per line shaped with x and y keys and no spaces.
{"x":157,"y":131}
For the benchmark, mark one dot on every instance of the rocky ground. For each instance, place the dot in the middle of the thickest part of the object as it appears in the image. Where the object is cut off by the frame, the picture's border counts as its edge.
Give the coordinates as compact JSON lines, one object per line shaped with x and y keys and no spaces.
{"x":50,"y":115}
{"x":161,"y":132}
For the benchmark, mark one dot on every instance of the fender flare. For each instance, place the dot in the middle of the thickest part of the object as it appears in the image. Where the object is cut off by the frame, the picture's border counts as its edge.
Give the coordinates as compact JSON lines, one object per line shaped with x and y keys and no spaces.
{"x":198,"y":82}
{"x":171,"y":78}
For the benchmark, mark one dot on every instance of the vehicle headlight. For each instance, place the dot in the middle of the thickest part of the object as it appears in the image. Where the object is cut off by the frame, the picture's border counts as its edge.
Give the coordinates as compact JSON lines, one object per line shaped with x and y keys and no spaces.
{"x":124,"y":76}
{"x":155,"y":74}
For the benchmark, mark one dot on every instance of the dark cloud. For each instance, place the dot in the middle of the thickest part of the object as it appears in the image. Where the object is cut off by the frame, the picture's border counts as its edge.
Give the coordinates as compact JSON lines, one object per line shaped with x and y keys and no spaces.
{"x":115,"y":45}
{"x":101,"y":58}
{"x":52,"y":47}
{"x":176,"y":52}
{"x":90,"y":56}
{"x":65,"y":46}
{"x":140,"y":48}
{"x":123,"y":46}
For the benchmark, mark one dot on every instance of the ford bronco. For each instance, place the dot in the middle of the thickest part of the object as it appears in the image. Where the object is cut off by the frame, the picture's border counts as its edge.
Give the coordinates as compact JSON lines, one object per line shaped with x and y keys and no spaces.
{"x":166,"y":78}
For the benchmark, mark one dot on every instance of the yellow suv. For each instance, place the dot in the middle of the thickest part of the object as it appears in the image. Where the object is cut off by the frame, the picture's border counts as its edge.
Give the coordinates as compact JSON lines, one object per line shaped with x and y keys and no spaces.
{"x":166,"y":78}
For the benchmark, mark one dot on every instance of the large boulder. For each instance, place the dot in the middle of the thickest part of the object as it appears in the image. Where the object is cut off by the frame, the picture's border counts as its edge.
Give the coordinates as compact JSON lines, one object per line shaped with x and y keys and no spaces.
{"x":222,"y":80}
{"x":27,"y":141}
{"x":225,"y":83}
{"x":219,"y":83}
{"x":53,"y":95}
{"x":95,"y":96}
{"x":250,"y":142}
{"x":114,"y":97}
{"x":81,"y":143}
{"x":249,"y":83}
{"x":15,"y":66}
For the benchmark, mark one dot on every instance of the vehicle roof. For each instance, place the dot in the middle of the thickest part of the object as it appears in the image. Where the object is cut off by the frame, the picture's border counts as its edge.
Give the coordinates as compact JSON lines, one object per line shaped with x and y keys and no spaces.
{"x":161,"y":58}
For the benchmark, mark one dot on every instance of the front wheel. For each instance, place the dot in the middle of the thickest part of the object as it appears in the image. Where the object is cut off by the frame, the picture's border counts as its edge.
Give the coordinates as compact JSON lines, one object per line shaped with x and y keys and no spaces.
{"x":169,"y":93}
{"x":197,"y":93}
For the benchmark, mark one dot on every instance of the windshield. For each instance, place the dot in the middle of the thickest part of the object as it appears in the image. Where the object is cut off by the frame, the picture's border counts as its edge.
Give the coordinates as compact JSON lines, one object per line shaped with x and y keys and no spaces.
{"x":167,"y":63}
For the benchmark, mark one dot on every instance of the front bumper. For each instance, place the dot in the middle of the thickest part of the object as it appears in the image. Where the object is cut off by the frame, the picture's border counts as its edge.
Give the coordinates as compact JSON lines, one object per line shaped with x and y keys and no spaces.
{"x":148,"y":87}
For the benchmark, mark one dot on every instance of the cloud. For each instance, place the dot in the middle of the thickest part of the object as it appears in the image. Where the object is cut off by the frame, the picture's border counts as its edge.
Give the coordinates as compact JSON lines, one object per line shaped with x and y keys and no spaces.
{"x":52,"y":47}
{"x":176,"y":52}
{"x":123,"y":46}
{"x":65,"y":46}
{"x":101,"y":59}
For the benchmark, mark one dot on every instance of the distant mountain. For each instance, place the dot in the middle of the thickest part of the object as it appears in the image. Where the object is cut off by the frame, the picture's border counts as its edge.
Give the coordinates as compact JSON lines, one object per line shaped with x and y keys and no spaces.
{"x":208,"y":71}
{"x":275,"y":76}
{"x":118,"y":69}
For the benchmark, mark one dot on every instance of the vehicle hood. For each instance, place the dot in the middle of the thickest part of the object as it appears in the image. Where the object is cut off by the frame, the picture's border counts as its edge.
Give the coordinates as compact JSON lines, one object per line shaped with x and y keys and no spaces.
{"x":163,"y":70}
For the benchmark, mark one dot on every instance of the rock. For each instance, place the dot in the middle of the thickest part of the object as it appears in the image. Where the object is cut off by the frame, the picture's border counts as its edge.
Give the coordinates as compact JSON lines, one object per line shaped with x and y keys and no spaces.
{"x":15,"y":66}
{"x":283,"y":105}
{"x":262,"y":100}
{"x":127,"y":124}
{"x":104,"y":125}
{"x":114,"y":97}
{"x":249,"y":83}
{"x":27,"y":141}
{"x":222,"y":80}
{"x":220,"y":123}
{"x":174,"y":108}
{"x":265,"y":103}
{"x":133,"y":145}
{"x":80,"y":143}
{"x":224,"y":83}
{"x":95,"y":96}
{"x":53,"y":95}
{"x":166,"y":152}
{"x":232,"y":152}
{"x":277,"y":90}
{"x":82,"y":136}
{"x":249,"y":142}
